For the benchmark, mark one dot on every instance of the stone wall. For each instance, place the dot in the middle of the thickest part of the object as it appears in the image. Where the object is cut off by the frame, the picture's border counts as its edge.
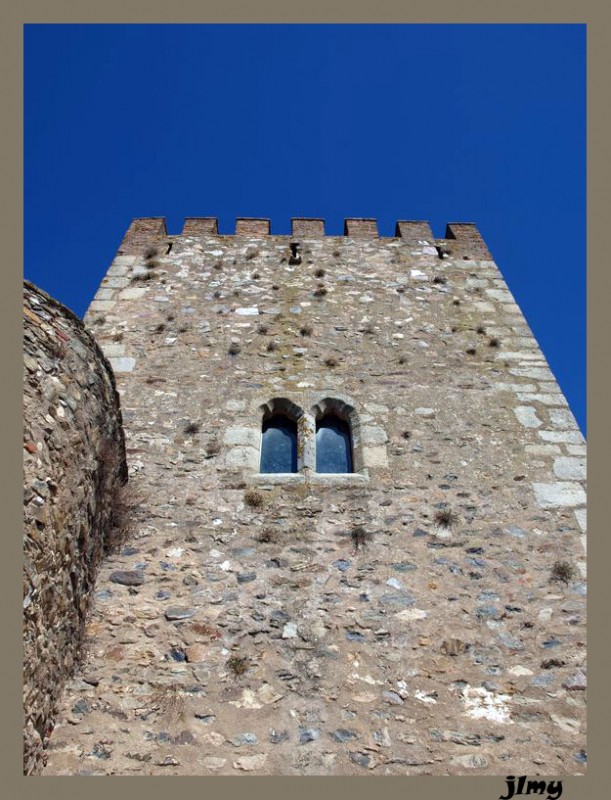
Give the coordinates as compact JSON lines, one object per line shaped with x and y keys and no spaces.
{"x":252,"y":625}
{"x":74,"y":457}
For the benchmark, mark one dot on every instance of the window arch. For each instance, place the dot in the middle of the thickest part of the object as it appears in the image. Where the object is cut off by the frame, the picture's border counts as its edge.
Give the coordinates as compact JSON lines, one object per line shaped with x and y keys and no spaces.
{"x":337,"y":436}
{"x":333,"y":445}
{"x":280,"y":452}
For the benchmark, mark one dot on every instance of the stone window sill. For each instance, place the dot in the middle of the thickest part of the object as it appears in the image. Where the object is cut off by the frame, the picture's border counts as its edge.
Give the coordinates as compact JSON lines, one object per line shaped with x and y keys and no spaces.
{"x":315,"y":478}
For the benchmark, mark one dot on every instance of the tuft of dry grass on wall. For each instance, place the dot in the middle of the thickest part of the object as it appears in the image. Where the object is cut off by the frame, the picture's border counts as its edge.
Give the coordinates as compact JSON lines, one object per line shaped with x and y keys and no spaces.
{"x":191,"y":428}
{"x":563,"y":572}
{"x":267,"y":536}
{"x":143,"y":277}
{"x":169,"y":703}
{"x":331,"y":361}
{"x":126,"y":499}
{"x":360,"y":536}
{"x":445,"y":518}
{"x":253,"y":498}
{"x":237,"y":664}
{"x":306,"y":330}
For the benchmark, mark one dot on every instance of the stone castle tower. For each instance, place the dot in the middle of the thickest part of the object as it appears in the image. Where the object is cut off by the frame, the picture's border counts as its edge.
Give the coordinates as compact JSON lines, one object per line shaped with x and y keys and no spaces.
{"x":417,"y":607}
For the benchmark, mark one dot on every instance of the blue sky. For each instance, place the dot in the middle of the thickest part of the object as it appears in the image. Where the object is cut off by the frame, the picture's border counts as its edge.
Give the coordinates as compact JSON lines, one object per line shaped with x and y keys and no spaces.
{"x":448,"y":123}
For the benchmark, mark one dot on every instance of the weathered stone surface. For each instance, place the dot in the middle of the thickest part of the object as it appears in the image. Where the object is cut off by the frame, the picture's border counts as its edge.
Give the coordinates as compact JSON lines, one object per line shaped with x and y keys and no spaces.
{"x":127,"y":577}
{"x":400,"y":646}
{"x":568,"y":468}
{"x":559,"y":494}
{"x":123,"y":364}
{"x":250,"y":763}
{"x":527,"y":415}
{"x":74,"y":460}
{"x":179,"y":612}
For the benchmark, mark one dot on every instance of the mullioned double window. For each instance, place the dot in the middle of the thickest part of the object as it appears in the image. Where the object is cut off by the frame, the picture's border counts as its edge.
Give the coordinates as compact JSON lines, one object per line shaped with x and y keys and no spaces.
{"x":321,"y":440}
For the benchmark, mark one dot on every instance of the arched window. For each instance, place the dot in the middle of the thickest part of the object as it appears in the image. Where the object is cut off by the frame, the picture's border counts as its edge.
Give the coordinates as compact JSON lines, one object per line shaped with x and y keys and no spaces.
{"x":279,"y":450}
{"x":333,"y":444}
{"x":279,"y":445}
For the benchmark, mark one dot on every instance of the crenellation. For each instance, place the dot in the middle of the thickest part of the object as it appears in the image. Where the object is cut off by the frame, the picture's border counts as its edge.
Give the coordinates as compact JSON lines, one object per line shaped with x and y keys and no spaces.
{"x":249,"y":226}
{"x":205,"y":226}
{"x":143,"y":233}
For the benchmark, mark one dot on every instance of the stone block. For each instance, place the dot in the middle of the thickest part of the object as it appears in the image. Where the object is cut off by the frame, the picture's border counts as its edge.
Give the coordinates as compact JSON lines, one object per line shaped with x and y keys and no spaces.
{"x":527,"y":416}
{"x":122,"y":364}
{"x":559,"y":495}
{"x":242,"y":458}
{"x":572,"y":469}
{"x":375,"y":456}
{"x":132,"y":293}
{"x":250,"y":437}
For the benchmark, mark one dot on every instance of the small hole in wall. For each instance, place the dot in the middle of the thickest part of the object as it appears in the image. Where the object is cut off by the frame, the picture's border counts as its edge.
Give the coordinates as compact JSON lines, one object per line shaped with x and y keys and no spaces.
{"x":169,"y":248}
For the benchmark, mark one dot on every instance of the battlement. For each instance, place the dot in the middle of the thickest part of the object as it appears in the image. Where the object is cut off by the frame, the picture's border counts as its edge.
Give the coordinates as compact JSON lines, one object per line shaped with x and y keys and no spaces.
{"x":461,"y":238}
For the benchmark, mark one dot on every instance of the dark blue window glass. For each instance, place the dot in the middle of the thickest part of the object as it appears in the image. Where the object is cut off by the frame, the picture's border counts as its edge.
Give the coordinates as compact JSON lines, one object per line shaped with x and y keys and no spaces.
{"x":279,"y":445}
{"x":333,"y":445}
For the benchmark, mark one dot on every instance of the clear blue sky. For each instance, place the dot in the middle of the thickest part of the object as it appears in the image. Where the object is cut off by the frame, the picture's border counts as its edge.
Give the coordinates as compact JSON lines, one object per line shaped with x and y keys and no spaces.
{"x":449,"y":123}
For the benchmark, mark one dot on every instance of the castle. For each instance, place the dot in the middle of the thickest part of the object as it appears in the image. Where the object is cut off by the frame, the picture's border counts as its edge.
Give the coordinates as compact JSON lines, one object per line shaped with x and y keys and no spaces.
{"x":359,"y":542}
